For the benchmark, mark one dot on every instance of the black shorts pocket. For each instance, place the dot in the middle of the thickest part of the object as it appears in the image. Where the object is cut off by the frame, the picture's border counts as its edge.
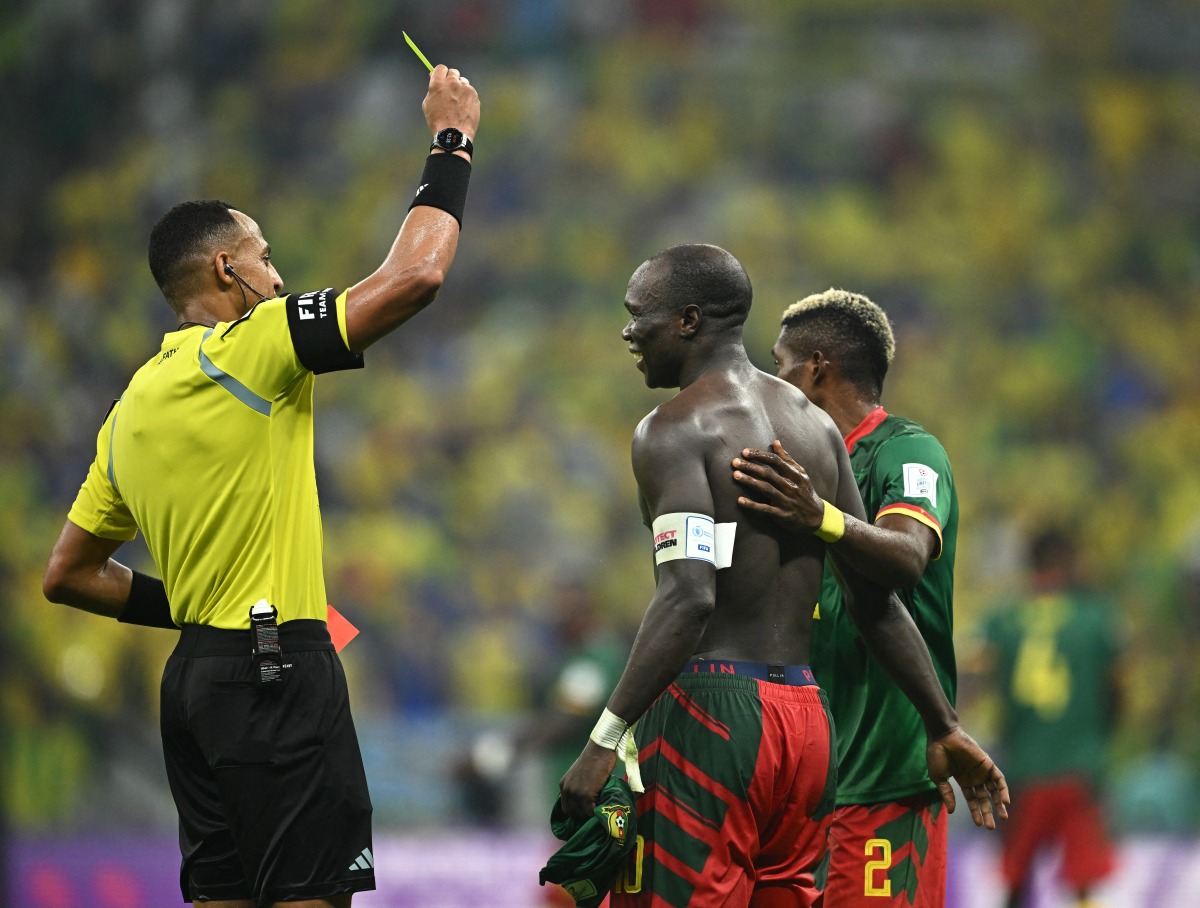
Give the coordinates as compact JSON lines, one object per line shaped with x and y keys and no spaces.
{"x":237,"y":722}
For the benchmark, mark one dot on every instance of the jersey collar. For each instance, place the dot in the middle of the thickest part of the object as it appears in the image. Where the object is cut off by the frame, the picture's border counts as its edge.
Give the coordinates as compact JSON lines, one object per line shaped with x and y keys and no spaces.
{"x":865,"y":428}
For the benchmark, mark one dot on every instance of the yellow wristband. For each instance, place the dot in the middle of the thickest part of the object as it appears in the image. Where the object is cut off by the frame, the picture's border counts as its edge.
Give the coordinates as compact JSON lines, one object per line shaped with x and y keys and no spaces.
{"x":833,"y":524}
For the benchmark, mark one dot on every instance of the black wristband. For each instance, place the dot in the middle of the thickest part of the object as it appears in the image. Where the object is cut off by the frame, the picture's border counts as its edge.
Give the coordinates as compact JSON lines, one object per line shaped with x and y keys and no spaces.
{"x":444,"y":185}
{"x":147,"y":604}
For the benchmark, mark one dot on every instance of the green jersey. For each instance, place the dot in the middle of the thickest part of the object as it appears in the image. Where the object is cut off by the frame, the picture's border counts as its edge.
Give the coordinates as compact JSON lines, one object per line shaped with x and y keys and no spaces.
{"x":900,"y":469}
{"x":1054,"y":660}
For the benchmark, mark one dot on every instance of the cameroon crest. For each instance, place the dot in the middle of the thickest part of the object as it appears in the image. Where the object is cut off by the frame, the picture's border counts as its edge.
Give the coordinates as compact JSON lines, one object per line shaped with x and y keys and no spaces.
{"x":618,"y":821}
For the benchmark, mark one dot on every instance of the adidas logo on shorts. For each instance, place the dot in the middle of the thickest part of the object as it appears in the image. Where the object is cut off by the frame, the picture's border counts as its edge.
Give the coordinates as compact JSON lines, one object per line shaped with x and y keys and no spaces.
{"x":365,"y":861}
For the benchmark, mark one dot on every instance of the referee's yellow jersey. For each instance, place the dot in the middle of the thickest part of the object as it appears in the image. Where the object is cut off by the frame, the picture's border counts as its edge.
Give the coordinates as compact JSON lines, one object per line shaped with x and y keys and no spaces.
{"x":209,"y":452}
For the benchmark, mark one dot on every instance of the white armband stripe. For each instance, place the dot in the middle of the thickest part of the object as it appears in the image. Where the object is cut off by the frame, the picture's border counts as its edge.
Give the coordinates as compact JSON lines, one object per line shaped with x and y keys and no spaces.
{"x":725,"y":538}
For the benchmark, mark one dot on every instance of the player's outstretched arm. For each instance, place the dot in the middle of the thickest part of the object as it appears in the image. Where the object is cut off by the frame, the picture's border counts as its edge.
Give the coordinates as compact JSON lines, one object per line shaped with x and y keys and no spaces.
{"x":893,"y":554}
{"x":413,"y":272}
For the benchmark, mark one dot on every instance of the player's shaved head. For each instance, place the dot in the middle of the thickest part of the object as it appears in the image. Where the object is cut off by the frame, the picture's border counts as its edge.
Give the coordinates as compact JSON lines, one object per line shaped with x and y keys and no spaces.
{"x":186,"y":236}
{"x":706,"y":276}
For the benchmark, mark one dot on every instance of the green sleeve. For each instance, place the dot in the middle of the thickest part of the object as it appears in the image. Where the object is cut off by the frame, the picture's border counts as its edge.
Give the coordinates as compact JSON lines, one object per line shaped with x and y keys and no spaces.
{"x":913,"y":475}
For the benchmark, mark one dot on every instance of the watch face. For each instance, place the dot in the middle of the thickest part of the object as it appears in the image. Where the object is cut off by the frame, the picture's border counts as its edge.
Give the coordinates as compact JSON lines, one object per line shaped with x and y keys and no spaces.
{"x":450,"y":138}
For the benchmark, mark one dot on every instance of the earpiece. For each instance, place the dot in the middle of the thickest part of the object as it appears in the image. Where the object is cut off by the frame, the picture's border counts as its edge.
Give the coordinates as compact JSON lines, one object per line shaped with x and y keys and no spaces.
{"x":243,"y":286}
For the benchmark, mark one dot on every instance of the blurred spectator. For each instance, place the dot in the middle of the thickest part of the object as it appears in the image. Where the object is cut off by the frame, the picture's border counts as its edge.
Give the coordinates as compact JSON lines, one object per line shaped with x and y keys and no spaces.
{"x":1054,"y":654}
{"x":589,"y":655}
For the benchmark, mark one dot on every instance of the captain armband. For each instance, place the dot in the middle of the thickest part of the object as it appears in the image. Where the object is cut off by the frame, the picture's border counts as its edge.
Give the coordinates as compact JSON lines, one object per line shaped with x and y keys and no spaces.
{"x":684,"y":535}
{"x":833,"y":524}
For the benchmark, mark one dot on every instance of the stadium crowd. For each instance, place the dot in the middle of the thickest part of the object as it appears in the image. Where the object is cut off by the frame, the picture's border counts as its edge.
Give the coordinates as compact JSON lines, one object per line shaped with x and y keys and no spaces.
{"x":1017,"y":186}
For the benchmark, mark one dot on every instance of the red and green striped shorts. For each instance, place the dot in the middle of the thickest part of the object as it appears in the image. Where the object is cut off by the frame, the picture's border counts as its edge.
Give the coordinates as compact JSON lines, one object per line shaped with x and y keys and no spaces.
{"x":740,"y":780}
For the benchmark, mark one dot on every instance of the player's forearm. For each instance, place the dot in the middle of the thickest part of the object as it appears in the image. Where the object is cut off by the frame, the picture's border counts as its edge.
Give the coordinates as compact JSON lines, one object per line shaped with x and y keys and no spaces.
{"x":413,"y":272}
{"x":669,"y":635}
{"x":889,"y":558}
{"x":894,"y":640}
{"x":408,"y":280}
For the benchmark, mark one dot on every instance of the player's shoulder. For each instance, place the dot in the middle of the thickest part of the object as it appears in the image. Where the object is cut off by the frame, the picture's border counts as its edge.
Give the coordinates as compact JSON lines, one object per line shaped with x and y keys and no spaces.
{"x":896,"y":426}
{"x":782,"y":403}
{"x":900,"y":432}
{"x":655,"y":421}
{"x":671,"y":424}
{"x":167,"y":354}
{"x":687,"y":420}
{"x":783,"y":394}
{"x":687,"y":408}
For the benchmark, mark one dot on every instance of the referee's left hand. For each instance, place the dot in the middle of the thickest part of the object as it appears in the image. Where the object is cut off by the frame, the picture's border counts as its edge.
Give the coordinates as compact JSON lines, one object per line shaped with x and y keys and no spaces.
{"x":956,"y":754}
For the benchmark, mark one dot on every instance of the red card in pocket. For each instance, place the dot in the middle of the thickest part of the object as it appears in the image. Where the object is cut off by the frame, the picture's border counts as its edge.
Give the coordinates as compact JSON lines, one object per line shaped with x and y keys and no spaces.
{"x":341,"y":631}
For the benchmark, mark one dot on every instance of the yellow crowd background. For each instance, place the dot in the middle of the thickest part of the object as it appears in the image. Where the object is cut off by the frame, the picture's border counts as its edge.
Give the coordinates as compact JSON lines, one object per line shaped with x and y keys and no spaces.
{"x":1017,"y":183}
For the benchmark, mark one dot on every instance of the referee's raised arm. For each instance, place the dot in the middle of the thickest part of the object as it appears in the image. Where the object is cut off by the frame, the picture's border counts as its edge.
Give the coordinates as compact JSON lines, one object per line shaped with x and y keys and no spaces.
{"x":412,"y":274}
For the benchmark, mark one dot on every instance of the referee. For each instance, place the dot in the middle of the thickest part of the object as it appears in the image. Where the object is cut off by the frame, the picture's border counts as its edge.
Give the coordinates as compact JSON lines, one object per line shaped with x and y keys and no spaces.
{"x":209,"y":452}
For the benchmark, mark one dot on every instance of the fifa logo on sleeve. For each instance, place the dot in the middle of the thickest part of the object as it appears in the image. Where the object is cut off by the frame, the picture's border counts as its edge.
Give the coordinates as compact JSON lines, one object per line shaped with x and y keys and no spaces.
{"x":920,"y":481}
{"x":314,"y":298}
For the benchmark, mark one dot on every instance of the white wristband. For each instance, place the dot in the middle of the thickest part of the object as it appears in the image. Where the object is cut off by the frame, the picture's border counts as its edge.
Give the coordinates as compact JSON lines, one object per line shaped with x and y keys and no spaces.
{"x":609,"y":730}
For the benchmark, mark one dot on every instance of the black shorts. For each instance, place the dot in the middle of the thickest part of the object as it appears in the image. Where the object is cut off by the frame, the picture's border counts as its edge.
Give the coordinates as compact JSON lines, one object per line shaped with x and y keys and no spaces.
{"x":268,"y":779}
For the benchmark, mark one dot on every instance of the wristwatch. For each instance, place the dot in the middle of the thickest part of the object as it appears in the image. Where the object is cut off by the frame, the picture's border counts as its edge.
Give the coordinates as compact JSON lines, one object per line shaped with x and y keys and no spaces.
{"x":451,"y":139}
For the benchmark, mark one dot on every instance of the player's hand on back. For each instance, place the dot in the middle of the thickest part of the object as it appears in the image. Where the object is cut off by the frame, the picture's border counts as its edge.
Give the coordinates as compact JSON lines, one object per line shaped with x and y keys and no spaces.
{"x":451,"y":101}
{"x":780,"y":488}
{"x":956,"y":754}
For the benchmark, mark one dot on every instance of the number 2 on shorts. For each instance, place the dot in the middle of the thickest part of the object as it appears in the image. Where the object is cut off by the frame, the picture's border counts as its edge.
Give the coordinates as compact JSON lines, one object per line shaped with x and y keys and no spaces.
{"x":883,"y":862}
